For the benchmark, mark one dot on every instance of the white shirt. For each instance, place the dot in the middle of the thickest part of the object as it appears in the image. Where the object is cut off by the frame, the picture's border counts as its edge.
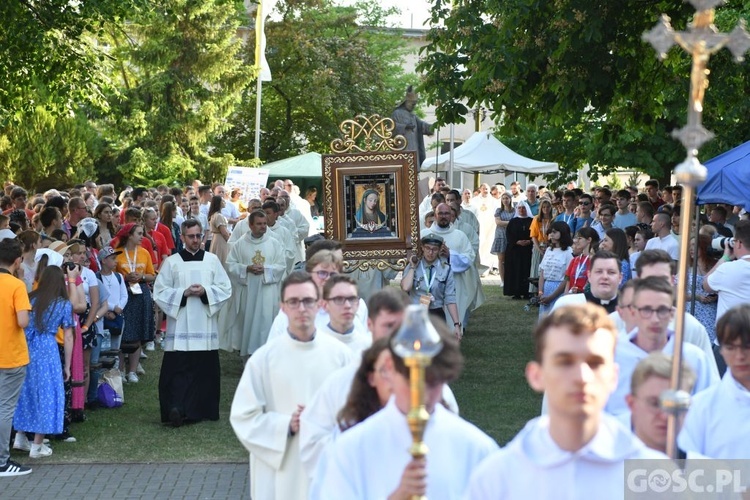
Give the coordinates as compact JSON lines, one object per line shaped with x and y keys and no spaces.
{"x":533,"y":466}
{"x":667,"y":243}
{"x":732,"y":281}
{"x":358,"y":340}
{"x":628,"y":355}
{"x":367,"y":461}
{"x":319,"y":421}
{"x":555,"y":262}
{"x":716,"y":425}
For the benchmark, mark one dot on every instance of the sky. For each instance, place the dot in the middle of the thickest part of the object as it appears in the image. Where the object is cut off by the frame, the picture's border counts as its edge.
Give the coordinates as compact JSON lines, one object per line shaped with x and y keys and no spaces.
{"x":414,"y":13}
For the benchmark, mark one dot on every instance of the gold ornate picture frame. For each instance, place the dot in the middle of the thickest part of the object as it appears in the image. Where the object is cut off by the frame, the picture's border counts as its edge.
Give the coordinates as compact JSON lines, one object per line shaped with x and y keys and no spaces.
{"x":370,"y":194}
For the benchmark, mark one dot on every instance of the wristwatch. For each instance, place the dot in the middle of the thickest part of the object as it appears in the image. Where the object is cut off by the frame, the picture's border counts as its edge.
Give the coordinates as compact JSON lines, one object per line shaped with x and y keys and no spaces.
{"x":456,"y":324}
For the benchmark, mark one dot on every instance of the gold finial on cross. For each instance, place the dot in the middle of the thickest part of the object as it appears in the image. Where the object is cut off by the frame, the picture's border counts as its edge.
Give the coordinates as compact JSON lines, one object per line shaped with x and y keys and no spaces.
{"x":701,"y":40}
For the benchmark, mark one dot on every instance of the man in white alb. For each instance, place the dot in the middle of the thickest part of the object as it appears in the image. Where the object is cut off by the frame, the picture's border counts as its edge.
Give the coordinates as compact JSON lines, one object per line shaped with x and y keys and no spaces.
{"x":653,"y":310}
{"x":256,"y":266}
{"x":278,"y":382}
{"x":577,"y":450}
{"x":717,"y":422}
{"x":371,"y":460}
{"x":341,"y":301}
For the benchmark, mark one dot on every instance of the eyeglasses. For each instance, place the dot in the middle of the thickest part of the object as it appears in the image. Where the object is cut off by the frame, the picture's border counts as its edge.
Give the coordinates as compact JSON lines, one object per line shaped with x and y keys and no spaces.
{"x":308,"y":303}
{"x":324,"y":275}
{"x":340,"y":301}
{"x":733,"y":348}
{"x":651,"y":403}
{"x":585,"y":203}
{"x":646,"y":312}
{"x":605,"y":215}
{"x":192,"y":236}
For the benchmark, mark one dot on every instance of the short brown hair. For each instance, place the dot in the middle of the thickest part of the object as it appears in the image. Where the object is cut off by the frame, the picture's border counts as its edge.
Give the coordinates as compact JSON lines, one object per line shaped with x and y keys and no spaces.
{"x":579,"y":318}
{"x":658,"y":364}
{"x":654,"y":256}
{"x":447,"y":364}
{"x":388,"y":299}
{"x":733,"y":325}
{"x":335,"y":280}
{"x":653,"y":284}
{"x":298,"y":278}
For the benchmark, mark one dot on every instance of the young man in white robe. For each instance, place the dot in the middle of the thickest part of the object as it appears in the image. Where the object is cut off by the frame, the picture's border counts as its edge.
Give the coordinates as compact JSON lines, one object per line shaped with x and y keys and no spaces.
{"x":371,"y":460}
{"x":299,"y":223}
{"x":341,"y":301}
{"x":577,"y":450}
{"x":256,"y":266}
{"x":716,"y":425}
{"x":646,"y":418}
{"x":653,"y":310}
{"x":278,"y":382}
{"x":286,"y":240}
{"x":486,"y":205}
{"x":191,"y":288}
{"x":465,"y":215}
{"x":459,"y":253}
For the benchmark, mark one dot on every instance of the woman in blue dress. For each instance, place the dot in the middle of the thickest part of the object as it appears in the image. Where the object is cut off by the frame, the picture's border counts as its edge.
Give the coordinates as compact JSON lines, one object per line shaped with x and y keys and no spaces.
{"x":705,"y":303}
{"x":41,"y":404}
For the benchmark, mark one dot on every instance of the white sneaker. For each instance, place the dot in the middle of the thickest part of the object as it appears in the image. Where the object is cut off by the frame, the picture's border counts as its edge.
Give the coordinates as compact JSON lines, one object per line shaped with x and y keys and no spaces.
{"x":124,"y":376}
{"x":40,"y":451}
{"x":21,"y":442}
{"x":132,"y":378}
{"x":143,"y":355}
{"x":140,"y":370}
{"x":150,"y":346}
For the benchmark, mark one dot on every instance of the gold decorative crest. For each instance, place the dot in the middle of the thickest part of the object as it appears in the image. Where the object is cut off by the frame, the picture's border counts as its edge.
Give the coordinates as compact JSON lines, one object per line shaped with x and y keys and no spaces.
{"x":258,"y":259}
{"x":368,"y":134}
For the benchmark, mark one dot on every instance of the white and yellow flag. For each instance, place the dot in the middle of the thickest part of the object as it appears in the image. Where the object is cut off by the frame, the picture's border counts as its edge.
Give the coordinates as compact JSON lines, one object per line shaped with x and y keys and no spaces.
{"x":264,"y":9}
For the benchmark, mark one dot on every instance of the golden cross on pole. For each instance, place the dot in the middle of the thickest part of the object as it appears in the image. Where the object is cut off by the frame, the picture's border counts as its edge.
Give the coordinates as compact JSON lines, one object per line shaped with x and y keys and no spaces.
{"x":701,"y":40}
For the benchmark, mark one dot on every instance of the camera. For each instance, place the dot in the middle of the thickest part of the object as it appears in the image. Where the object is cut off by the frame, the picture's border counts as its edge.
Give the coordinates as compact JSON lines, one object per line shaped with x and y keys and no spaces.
{"x":69,"y":266}
{"x":719,"y":244}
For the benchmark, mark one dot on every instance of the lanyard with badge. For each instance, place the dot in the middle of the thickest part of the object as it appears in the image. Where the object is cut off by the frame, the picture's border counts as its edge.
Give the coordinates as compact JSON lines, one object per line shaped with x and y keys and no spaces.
{"x":580,"y":269}
{"x":429,"y":280}
{"x":135,"y":288}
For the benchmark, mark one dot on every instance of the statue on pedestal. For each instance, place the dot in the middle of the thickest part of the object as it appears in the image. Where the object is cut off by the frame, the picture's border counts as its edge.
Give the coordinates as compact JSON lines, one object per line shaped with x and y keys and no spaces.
{"x":412,"y":128}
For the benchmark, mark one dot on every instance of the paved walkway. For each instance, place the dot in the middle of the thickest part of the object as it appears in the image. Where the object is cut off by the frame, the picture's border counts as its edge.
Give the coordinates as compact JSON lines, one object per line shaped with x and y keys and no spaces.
{"x":129,"y":481}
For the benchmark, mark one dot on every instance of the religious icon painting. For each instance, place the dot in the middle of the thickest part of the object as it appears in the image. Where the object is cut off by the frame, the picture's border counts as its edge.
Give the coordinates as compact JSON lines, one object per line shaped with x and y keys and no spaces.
{"x":371,"y":206}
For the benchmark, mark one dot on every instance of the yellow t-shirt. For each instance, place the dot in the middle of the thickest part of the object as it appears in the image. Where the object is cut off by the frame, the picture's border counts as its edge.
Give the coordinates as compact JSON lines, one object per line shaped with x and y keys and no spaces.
{"x":13,"y":350}
{"x":142,"y":261}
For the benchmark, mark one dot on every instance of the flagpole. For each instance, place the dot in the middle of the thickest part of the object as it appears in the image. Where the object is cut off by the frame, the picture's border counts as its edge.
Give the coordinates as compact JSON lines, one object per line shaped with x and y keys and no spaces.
{"x":259,"y":17}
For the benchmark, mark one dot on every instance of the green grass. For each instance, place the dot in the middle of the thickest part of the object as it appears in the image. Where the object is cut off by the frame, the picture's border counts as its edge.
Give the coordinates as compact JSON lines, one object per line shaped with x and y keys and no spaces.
{"x":492,"y":393}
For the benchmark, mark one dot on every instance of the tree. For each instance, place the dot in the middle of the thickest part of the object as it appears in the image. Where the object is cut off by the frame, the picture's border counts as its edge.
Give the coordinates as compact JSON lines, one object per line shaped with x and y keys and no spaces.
{"x":329,"y":64}
{"x":572,"y":80}
{"x":180,"y":76}
{"x":50,"y":45}
{"x":42,"y":150}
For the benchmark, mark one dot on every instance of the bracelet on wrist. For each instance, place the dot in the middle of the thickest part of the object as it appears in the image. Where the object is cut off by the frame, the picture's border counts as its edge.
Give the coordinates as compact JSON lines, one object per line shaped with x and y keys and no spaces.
{"x":726,"y":258}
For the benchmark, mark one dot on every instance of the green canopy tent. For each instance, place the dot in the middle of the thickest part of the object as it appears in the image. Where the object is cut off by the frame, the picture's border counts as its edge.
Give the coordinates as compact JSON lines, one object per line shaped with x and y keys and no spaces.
{"x":304,"y":170}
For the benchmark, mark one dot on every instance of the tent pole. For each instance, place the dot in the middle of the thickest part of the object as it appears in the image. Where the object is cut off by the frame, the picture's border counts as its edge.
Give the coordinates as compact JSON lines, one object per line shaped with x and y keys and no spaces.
{"x":477,"y":128}
{"x":437,"y":152}
{"x":450,"y":159}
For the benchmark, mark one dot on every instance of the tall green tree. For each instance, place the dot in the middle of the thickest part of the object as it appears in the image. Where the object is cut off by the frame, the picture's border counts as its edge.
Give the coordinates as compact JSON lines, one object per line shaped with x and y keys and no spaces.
{"x":571,"y":80}
{"x":51,"y":45}
{"x":329,"y":64}
{"x":180,"y":77}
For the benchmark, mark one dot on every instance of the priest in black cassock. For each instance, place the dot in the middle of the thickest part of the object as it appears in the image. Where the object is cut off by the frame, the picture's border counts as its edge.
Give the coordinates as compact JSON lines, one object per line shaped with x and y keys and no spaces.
{"x":191,"y":288}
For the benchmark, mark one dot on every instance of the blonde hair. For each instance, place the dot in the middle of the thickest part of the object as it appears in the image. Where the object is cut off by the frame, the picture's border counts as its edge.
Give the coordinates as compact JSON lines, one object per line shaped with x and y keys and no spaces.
{"x":324,"y":257}
{"x":658,"y":364}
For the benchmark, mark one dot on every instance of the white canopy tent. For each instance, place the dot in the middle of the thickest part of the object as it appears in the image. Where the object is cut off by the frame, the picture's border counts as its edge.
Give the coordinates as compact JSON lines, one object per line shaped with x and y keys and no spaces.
{"x":483,"y":153}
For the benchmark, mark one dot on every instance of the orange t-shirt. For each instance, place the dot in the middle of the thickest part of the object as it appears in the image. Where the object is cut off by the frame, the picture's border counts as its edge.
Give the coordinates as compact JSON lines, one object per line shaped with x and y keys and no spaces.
{"x":13,"y":350}
{"x":142,"y":262}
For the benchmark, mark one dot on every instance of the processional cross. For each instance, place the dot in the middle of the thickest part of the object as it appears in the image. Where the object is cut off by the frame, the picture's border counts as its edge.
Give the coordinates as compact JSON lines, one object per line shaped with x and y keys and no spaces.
{"x":701,"y":40}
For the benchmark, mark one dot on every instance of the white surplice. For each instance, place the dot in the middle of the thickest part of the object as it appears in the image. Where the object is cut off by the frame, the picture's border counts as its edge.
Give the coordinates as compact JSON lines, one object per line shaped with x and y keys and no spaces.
{"x":533,"y":466}
{"x":245,"y":322}
{"x":286,"y":240}
{"x":318,"y":423}
{"x":279,"y":376}
{"x":368,"y":460}
{"x":486,"y":206}
{"x":716,"y":425}
{"x":281,"y":322}
{"x":628,"y":355}
{"x":194,"y":326}
{"x":358,"y":340}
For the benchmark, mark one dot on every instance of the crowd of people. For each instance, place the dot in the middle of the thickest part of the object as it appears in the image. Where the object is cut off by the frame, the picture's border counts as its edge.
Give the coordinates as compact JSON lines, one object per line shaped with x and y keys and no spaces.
{"x":196,"y":269}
